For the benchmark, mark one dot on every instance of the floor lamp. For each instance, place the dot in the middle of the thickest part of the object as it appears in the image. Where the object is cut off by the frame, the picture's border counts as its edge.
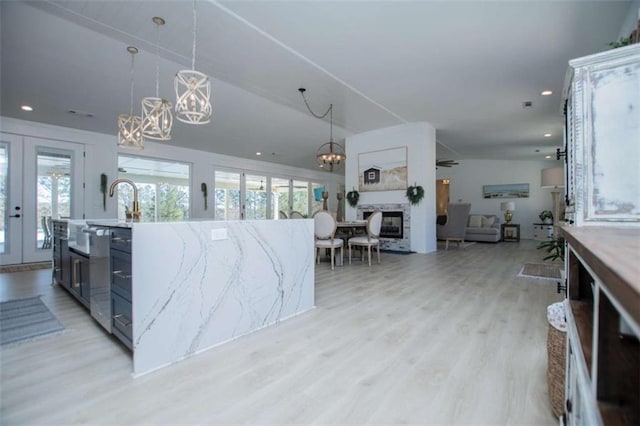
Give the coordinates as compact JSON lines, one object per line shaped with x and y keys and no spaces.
{"x":554,"y":178}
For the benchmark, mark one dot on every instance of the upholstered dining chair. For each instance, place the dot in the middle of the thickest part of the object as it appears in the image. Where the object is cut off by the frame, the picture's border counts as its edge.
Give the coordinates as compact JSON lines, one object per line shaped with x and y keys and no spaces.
{"x":296,"y":215}
{"x":374,"y":223}
{"x":455,"y":227}
{"x":324,"y":226}
{"x":282,"y":215}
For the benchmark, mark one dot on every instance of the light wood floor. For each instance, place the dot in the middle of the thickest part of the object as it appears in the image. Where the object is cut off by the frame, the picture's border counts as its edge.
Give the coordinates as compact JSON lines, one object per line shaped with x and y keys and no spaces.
{"x":452,"y":337}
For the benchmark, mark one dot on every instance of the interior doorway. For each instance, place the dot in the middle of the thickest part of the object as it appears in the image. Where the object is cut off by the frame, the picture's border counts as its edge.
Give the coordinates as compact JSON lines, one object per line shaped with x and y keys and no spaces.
{"x":442,"y":196}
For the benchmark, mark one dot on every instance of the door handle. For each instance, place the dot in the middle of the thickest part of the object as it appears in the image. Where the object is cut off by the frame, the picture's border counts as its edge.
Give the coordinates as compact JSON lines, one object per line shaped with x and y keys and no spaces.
{"x":15,"y":215}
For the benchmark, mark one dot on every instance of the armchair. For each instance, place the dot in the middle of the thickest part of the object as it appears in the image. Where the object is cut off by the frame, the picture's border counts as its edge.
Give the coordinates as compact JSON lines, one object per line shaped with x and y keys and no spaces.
{"x":455,"y":227}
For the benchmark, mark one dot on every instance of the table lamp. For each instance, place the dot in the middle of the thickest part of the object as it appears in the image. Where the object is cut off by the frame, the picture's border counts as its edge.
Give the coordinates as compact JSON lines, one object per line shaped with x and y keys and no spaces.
{"x":554,"y":178}
{"x":508,"y":207}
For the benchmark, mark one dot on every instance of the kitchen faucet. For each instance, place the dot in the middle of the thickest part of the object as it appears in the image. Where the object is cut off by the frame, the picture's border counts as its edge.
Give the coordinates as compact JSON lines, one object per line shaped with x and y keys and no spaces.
{"x":136,"y":210}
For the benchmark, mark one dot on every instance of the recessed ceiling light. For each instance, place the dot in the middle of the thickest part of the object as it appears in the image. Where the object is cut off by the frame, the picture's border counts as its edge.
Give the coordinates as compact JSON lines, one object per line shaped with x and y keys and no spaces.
{"x":258,"y":153}
{"x":26,"y":108}
{"x":546,"y":93}
{"x":547,"y":135}
{"x":547,"y":156}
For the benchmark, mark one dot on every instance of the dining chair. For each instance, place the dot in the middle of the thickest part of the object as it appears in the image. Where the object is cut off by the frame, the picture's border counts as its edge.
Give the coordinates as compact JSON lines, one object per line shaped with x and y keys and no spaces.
{"x":324,"y":228}
{"x":282,"y":215}
{"x":374,"y":223}
{"x":296,"y":215}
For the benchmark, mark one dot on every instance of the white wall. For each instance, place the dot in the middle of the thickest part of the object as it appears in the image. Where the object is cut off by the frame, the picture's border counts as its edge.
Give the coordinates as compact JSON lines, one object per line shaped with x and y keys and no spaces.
{"x":469,"y":176}
{"x":631,"y":20}
{"x":102,"y":157}
{"x":420,"y":140}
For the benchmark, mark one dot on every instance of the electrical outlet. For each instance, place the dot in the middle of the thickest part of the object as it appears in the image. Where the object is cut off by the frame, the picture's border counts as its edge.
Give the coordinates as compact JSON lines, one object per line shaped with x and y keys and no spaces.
{"x":219,"y":234}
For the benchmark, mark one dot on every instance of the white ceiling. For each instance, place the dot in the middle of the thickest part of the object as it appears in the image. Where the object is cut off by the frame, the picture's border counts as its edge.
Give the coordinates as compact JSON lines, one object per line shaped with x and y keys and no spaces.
{"x":463,"y":66}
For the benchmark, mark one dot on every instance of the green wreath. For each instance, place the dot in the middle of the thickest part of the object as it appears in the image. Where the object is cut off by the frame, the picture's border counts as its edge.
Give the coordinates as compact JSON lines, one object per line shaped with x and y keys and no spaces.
{"x":415,"y":193}
{"x":353,"y":197}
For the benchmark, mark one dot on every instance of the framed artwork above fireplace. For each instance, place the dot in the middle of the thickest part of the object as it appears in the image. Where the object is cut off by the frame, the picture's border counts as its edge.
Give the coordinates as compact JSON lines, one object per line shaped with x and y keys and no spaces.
{"x":383,"y":170}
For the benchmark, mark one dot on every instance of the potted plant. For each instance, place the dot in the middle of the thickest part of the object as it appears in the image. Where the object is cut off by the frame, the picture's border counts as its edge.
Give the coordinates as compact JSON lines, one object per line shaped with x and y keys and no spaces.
{"x":554,"y":248}
{"x":546,"y":216}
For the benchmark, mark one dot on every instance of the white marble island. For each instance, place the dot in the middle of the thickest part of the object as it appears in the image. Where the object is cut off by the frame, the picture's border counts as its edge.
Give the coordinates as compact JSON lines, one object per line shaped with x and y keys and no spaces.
{"x":198,"y":284}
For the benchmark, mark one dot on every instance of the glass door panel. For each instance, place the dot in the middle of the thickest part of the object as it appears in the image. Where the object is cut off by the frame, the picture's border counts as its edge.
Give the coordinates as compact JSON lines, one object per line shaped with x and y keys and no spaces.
{"x":227,"y":195}
{"x":53,"y":198}
{"x":255,"y":197}
{"x":52,"y":188}
{"x":280,"y":197}
{"x":10,"y":199}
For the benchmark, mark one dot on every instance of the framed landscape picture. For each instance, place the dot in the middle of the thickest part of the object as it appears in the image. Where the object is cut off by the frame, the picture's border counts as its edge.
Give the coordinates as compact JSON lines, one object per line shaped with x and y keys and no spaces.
{"x":514,"y":190}
{"x":384,"y":170}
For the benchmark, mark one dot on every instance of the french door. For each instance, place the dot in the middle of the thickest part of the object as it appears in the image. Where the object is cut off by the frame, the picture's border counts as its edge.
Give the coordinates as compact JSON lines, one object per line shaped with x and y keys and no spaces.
{"x":40,"y":180}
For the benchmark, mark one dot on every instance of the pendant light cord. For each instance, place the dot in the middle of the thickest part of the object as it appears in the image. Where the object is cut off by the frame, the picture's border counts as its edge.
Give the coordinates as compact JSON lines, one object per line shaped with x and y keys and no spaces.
{"x":157,"y":60}
{"x":329,"y":111}
{"x":133,"y":55}
{"x":193,"y":51}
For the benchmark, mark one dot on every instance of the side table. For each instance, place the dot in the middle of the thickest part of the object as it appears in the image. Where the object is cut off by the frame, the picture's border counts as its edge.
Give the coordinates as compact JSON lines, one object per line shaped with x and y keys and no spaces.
{"x":510,"y":232}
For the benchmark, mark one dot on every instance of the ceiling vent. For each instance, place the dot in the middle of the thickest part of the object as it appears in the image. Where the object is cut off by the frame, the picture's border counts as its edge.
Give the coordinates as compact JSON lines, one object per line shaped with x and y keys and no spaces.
{"x":80,"y":113}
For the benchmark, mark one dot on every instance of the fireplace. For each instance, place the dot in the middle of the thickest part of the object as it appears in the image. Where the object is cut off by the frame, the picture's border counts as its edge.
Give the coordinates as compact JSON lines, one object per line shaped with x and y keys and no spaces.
{"x":392,"y":222}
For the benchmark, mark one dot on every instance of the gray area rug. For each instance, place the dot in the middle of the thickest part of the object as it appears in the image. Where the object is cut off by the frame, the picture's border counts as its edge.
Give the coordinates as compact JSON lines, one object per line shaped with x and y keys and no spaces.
{"x":23,"y":319}
{"x":542,"y":271}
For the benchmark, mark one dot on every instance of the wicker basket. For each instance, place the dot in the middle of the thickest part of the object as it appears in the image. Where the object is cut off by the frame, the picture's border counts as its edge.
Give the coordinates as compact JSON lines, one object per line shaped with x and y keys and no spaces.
{"x":556,"y":357}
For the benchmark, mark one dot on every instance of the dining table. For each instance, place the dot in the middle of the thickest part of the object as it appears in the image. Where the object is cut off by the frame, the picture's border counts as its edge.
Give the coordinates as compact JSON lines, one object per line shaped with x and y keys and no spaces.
{"x":350,"y":228}
{"x":347,"y":229}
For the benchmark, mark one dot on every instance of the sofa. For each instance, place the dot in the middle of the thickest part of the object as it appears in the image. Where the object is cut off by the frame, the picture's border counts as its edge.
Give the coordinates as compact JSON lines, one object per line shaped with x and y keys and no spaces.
{"x":483,"y":227}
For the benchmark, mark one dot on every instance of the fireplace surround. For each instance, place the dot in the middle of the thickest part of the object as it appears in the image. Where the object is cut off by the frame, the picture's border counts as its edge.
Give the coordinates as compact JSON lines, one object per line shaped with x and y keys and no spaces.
{"x":396,"y":224}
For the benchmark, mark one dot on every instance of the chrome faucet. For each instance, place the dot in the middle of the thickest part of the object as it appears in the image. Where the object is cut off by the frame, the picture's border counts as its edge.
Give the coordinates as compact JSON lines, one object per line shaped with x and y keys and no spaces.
{"x":136,"y":210}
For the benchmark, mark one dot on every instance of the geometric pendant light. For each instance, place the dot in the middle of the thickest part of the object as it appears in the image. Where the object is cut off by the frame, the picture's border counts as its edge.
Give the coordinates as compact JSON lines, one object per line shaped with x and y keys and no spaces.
{"x":129,"y":125}
{"x":193,"y":90}
{"x":157,"y":118}
{"x":331,"y":153}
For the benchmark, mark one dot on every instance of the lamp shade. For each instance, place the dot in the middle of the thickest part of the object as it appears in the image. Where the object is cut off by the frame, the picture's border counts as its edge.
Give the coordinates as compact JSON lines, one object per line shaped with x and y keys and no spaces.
{"x":552,"y":178}
{"x":507,"y":205}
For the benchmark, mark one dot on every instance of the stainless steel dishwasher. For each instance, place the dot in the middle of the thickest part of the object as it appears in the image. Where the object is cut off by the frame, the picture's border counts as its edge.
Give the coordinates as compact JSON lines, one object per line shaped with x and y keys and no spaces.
{"x":100,"y":284}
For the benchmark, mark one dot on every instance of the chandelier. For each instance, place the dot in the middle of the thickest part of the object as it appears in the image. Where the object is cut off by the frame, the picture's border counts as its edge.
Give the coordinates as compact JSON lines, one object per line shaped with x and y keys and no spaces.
{"x":193,"y":90}
{"x":156,"y":111}
{"x":129,"y":125}
{"x":330,"y":153}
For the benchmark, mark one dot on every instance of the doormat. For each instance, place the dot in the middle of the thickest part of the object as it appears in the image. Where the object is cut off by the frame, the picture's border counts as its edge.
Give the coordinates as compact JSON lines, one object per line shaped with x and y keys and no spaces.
{"x":542,"y":271}
{"x":25,"y":267}
{"x":24,"y":319}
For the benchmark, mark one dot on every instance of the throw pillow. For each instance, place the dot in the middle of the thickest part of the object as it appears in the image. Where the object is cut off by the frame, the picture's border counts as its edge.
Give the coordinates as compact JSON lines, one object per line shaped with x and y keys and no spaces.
{"x":487,"y":222}
{"x":475,"y":221}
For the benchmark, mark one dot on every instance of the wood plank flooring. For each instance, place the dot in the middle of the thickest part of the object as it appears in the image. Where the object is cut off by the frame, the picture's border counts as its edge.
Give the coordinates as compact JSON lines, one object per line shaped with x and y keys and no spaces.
{"x":452,"y":337}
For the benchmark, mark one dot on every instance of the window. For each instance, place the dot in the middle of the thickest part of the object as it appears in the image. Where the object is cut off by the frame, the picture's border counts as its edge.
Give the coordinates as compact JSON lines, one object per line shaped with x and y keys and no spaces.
{"x":163,"y":188}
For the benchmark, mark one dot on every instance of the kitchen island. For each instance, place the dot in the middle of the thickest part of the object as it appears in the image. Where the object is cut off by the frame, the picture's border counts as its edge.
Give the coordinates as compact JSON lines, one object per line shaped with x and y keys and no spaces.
{"x":198,"y":284}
